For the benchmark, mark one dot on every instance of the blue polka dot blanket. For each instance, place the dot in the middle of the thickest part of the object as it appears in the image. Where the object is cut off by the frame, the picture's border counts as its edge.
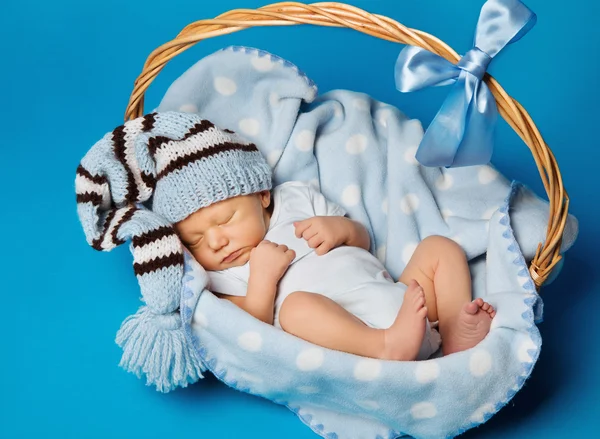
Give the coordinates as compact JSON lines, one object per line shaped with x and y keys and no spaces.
{"x":361,"y":154}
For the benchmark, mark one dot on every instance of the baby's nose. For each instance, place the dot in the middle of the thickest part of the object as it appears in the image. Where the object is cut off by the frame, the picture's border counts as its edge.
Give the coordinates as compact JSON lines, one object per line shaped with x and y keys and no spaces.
{"x":216,"y":238}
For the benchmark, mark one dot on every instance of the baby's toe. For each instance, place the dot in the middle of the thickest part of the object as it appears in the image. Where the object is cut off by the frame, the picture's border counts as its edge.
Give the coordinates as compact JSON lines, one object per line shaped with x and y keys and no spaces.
{"x":420,"y":301}
{"x":471,"y":308}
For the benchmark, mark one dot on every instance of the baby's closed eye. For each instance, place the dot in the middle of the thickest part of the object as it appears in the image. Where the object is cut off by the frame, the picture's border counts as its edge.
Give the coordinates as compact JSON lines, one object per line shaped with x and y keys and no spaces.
{"x":196,"y":241}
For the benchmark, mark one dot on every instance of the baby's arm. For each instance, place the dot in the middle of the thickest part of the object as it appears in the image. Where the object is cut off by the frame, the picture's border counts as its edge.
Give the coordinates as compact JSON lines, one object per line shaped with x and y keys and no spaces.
{"x":357,"y":235}
{"x":259,"y":300}
{"x":324,"y":233}
{"x":260,"y":297}
{"x":268,"y":263}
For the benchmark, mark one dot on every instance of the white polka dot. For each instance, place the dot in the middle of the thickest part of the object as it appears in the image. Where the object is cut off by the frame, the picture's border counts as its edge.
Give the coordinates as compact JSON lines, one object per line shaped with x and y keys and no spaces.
{"x":356,"y":144}
{"x":427,"y":371}
{"x":304,"y":140}
{"x":487,"y":174}
{"x":472,"y":399}
{"x":308,"y":390}
{"x":367,"y":369}
{"x":273,"y":157}
{"x":250,"y":341}
{"x":225,"y":86}
{"x":381,"y":252}
{"x":338,"y":111}
{"x":479,"y":414}
{"x":526,"y":345}
{"x":444,"y":182}
{"x":409,"y":155}
{"x":383,"y":116}
{"x":408,"y":251}
{"x":361,"y":104}
{"x":262,"y":63}
{"x":310,"y":359}
{"x":351,"y":195}
{"x":423,"y":410}
{"x":200,"y":319}
{"x":273,"y":99}
{"x":249,"y":126}
{"x":188,"y":108}
{"x":487,"y":215}
{"x":413,"y":132}
{"x":251,"y":378}
{"x":480,"y":363}
{"x":409,"y":204}
{"x":368,"y":404}
{"x":446,"y":213}
{"x":384,"y":206}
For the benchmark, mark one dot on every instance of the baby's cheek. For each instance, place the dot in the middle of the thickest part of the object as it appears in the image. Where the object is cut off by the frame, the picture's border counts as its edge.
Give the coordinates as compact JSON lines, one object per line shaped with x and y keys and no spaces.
{"x":203,"y":259}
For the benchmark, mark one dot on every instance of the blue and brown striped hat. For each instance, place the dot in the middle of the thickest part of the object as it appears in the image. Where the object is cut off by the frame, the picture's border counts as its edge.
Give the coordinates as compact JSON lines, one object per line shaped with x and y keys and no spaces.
{"x":140,"y":179}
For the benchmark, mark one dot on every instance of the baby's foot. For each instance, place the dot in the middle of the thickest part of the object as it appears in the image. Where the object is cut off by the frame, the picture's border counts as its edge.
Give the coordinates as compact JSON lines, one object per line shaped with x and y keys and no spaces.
{"x":403,"y":339}
{"x":471,"y":327}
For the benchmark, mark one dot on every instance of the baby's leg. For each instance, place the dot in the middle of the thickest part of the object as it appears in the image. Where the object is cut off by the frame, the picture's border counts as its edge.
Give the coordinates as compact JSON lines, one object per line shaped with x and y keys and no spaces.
{"x":440,"y":266}
{"x":320,"y":320}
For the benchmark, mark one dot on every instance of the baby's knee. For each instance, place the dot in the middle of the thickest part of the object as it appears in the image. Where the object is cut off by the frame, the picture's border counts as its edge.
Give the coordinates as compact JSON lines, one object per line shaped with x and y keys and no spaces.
{"x":295,"y":309}
{"x":442,"y":246}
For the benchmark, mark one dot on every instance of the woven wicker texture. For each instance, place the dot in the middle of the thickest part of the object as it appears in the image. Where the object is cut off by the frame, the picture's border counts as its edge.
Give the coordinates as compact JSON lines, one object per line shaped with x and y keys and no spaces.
{"x":342,"y":15}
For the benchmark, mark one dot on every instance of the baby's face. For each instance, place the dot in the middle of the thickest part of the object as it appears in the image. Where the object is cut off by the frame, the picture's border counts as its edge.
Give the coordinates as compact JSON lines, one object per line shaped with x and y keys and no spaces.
{"x":222,"y":235}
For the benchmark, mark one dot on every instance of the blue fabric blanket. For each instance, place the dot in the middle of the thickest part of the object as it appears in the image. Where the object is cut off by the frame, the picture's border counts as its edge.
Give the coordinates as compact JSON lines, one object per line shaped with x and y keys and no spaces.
{"x":360,"y":153}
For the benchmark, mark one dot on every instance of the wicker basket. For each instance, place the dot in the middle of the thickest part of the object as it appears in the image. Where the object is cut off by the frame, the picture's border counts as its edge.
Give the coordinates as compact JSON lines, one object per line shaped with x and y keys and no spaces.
{"x":342,"y":15}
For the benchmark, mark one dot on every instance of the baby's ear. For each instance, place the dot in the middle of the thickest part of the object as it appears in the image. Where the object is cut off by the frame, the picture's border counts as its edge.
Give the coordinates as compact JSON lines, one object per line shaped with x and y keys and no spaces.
{"x":265,"y":198}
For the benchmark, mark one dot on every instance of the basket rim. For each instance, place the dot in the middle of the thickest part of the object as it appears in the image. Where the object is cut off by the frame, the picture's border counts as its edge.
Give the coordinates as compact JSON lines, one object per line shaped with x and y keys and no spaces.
{"x":334,"y":14}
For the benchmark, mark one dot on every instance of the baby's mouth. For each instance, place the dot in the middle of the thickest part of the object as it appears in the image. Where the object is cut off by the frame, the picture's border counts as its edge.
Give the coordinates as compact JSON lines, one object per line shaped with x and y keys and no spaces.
{"x":232,"y":256}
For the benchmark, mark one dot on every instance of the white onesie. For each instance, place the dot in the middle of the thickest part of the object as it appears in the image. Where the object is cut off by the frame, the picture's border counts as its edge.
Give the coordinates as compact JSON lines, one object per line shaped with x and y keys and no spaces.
{"x":350,"y":276}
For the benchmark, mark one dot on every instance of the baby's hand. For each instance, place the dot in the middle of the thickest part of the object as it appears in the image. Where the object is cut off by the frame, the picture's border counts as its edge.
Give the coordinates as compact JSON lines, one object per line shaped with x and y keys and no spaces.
{"x":322,"y":233}
{"x":269,"y":261}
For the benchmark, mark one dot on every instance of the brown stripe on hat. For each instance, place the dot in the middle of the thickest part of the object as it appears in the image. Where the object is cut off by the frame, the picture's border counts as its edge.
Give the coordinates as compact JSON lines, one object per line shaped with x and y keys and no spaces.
{"x":158,"y":263}
{"x":152,"y":235}
{"x":199,"y":128}
{"x":181,"y":162}
{"x":156,"y":142}
{"x":148,"y":180}
{"x":132,"y":192}
{"x":90,"y":197}
{"x":98,"y":179}
{"x":148,"y":123}
{"x":97,"y":243}
{"x":128,"y":215}
{"x":110,"y":225}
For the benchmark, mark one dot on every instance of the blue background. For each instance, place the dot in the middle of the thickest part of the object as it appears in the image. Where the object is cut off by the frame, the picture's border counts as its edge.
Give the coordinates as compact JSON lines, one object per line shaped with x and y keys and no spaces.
{"x":67,"y":70}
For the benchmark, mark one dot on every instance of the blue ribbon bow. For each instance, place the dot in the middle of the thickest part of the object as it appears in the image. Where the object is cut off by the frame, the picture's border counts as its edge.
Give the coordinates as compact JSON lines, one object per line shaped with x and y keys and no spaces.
{"x":461,"y":134}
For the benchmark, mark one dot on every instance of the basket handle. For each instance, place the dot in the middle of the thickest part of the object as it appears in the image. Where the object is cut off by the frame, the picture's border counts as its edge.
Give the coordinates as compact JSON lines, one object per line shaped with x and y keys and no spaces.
{"x":342,"y":15}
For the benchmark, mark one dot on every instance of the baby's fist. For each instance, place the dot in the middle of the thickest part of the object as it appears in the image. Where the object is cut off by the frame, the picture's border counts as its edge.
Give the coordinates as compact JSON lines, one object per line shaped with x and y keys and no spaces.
{"x":322,"y":233}
{"x":270,"y":261}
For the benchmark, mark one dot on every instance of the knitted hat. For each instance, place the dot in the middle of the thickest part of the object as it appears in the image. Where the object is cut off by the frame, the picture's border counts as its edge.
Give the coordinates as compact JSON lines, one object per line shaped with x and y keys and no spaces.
{"x":177,"y":163}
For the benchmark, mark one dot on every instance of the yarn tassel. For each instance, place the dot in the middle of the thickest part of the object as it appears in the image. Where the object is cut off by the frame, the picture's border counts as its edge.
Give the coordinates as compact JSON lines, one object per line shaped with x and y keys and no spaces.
{"x":155,"y":345}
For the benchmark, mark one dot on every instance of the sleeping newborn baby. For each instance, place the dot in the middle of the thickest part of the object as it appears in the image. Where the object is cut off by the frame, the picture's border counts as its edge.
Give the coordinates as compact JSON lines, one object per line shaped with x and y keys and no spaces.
{"x":291,"y":258}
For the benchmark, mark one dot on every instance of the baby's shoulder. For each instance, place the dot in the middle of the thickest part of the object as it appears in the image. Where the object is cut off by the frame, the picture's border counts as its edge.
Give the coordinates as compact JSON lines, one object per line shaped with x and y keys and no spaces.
{"x":292,"y":184}
{"x":293,"y":189}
